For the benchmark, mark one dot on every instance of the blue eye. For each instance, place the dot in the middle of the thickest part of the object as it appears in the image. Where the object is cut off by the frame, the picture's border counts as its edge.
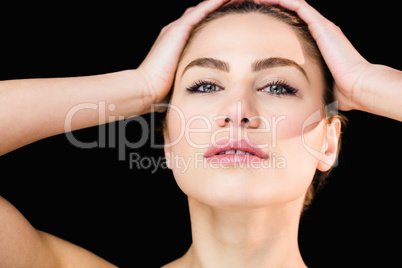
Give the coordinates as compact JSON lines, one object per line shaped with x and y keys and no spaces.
{"x":274,"y":89}
{"x":204,"y":87}
{"x":278,"y":88}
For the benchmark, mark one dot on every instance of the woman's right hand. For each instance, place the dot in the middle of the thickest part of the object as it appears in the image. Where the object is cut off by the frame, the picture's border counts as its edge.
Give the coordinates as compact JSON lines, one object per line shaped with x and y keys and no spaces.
{"x":358,"y":83}
{"x":160,"y":65}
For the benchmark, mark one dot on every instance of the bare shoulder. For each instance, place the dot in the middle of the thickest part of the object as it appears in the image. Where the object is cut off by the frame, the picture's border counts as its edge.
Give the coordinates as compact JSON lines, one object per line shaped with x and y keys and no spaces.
{"x":179,"y":263}
{"x":172,"y":264}
{"x":21,"y":245}
{"x":71,"y":255}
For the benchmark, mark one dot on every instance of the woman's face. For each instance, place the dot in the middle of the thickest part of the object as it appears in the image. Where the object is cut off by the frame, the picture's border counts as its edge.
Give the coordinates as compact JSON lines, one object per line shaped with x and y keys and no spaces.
{"x":245,"y":66}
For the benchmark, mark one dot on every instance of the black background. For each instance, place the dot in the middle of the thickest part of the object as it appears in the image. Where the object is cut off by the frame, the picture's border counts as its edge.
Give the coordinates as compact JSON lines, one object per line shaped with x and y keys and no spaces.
{"x":130,"y":216}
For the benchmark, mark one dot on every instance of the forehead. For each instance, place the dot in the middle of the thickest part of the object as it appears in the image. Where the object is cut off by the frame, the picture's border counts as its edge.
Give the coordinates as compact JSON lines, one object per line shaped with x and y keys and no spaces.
{"x":245,"y":37}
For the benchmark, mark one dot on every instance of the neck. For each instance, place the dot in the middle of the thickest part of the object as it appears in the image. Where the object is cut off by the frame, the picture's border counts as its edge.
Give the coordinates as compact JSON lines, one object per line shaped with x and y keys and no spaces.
{"x":261,"y":237}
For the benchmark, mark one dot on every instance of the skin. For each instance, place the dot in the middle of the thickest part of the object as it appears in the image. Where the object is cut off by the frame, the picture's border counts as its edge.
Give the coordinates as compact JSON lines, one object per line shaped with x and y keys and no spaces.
{"x":357,"y":82}
{"x":46,"y":102}
{"x":247,"y":198}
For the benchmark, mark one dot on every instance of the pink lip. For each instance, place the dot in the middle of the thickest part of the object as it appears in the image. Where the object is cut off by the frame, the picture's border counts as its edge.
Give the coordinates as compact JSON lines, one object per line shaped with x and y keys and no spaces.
{"x":227,"y":144}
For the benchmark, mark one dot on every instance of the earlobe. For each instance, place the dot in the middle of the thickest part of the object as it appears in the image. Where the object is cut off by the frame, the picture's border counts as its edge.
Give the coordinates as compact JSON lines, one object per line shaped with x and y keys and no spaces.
{"x":332,"y":142}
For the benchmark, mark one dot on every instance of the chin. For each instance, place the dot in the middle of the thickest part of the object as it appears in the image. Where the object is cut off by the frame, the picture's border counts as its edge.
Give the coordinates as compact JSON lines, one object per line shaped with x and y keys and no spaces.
{"x":240,"y":189}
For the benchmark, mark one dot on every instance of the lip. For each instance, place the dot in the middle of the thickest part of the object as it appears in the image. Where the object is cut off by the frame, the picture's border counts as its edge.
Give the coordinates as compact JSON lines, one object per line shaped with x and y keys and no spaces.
{"x":226,"y":144}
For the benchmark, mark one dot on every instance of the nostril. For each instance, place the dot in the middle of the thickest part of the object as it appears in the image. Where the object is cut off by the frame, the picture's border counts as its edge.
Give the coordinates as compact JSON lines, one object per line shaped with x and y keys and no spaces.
{"x":245,"y":120}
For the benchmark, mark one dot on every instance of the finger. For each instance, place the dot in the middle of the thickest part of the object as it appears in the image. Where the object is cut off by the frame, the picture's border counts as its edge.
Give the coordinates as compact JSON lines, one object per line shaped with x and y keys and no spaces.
{"x":161,"y":62}
{"x":179,"y":30}
{"x":332,"y":42}
{"x":306,"y":12}
{"x":234,"y":2}
{"x":194,"y":15}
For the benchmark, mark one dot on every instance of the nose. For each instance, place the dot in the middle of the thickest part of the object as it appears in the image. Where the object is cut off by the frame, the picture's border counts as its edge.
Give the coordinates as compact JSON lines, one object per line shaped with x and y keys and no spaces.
{"x":240,"y":113}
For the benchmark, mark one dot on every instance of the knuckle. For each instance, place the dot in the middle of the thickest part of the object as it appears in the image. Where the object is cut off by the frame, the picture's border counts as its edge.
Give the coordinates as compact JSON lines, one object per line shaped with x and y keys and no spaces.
{"x":189,"y":10}
{"x":165,"y":29}
{"x":330,"y":24}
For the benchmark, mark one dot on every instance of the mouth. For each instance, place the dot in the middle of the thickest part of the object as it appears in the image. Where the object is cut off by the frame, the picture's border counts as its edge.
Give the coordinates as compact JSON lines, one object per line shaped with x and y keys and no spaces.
{"x":233,"y":151}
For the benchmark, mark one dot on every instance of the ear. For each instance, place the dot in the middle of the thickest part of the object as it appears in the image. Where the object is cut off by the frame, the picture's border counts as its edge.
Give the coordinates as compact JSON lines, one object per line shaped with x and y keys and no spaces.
{"x":331,"y":145}
{"x":166,"y":148}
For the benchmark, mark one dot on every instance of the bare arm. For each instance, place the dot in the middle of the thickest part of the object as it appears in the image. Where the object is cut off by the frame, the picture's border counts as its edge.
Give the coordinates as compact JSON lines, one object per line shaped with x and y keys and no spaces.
{"x":34,"y":109}
{"x":370,"y":96}
{"x":23,"y":246}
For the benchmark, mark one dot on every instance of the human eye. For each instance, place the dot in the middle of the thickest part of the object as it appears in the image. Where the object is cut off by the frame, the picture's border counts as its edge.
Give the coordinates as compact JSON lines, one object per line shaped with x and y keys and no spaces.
{"x":204,"y":87}
{"x":279,"y":88}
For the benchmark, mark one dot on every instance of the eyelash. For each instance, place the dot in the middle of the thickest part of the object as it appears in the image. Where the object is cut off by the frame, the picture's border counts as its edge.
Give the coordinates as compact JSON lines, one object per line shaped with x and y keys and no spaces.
{"x":195,"y":88}
{"x":289,"y":90}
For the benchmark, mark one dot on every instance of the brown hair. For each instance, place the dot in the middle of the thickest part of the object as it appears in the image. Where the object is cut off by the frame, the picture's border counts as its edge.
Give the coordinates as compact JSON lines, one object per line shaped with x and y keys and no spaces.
{"x":310,"y":47}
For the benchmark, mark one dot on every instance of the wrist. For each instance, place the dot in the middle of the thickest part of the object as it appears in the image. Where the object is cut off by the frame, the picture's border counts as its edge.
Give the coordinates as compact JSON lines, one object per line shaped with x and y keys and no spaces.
{"x":137,"y":93}
{"x":352,"y":91}
{"x":379,"y":91}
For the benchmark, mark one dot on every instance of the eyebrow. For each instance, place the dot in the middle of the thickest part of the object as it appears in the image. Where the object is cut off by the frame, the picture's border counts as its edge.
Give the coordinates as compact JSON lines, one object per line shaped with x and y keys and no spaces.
{"x":208,"y":63}
{"x":273,"y":62}
{"x":256,"y":66}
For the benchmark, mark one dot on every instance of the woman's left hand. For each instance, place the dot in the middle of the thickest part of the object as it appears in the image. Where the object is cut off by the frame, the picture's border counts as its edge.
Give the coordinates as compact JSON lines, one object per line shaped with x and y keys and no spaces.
{"x":159,"y":67}
{"x":358,"y":83}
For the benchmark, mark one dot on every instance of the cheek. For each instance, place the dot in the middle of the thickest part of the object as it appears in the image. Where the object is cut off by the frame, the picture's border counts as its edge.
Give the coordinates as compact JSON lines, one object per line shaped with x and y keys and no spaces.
{"x":298,"y":131}
{"x":189,"y":129}
{"x":297,"y":137}
{"x":299,"y":140}
{"x":175,"y":120}
{"x":188,"y":138}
